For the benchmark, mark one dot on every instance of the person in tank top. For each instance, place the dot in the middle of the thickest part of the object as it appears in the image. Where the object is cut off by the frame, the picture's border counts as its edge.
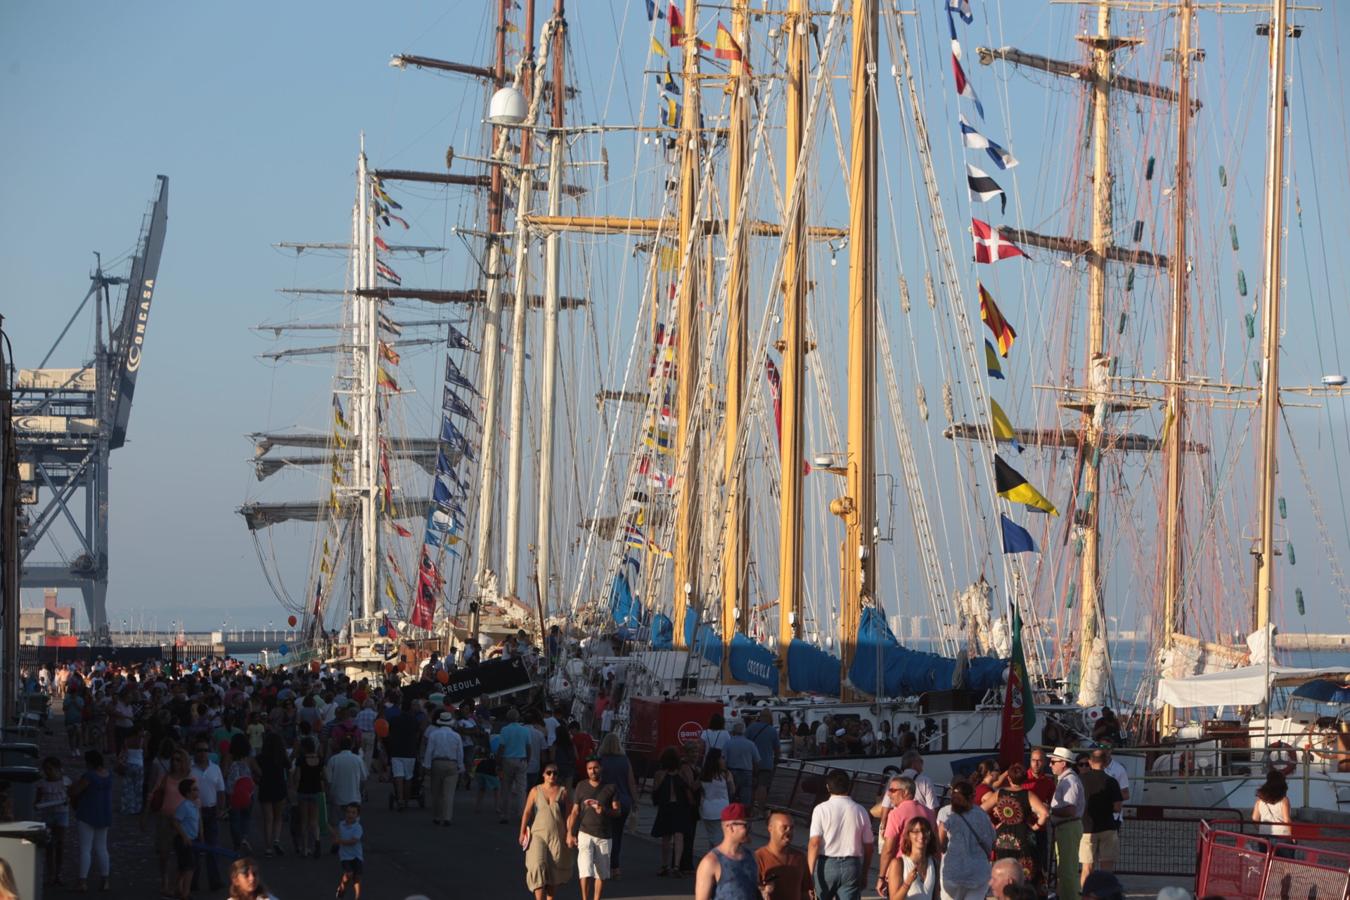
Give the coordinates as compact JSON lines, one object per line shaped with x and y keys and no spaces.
{"x":729,"y":870}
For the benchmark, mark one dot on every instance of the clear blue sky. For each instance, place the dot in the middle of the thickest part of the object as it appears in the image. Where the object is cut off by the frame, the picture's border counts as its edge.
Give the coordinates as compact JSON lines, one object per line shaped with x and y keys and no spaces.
{"x":254,"y":112}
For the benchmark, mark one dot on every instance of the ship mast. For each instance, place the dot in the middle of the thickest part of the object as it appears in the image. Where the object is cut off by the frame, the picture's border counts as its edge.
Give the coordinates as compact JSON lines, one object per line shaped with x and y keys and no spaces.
{"x":857,"y":561}
{"x":734,"y":592}
{"x":686,"y":341}
{"x":1094,"y":419}
{"x":1270,"y":325}
{"x":790,"y":452}
{"x":550,"y":351}
{"x":367,"y":359}
{"x":519,"y":321}
{"x":491,"y":356}
{"x":1174,"y":453}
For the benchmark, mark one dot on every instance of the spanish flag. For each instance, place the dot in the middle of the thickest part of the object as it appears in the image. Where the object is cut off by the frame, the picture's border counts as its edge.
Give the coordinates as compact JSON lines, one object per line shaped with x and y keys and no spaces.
{"x":385,"y":380}
{"x":389,"y":353}
{"x":1003,"y":332}
{"x":1002,"y":425}
{"x":727,"y":48}
{"x":676,"y":26}
{"x":1012,"y":485}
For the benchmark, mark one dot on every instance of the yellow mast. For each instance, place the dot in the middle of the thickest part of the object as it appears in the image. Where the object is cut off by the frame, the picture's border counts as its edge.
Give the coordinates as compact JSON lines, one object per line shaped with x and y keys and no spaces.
{"x":1176,"y":371}
{"x":857,"y":561}
{"x":797,"y":25}
{"x":1094,"y":417}
{"x":1270,"y":327}
{"x":735,"y":536}
{"x":686,"y":346}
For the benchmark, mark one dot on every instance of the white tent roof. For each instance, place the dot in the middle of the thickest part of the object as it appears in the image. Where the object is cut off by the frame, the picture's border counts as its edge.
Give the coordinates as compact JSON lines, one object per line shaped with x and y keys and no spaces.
{"x":1239,"y":687}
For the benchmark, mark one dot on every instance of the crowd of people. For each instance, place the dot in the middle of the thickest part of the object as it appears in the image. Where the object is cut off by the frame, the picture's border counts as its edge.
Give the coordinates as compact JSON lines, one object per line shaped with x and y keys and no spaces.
{"x":222,"y":763}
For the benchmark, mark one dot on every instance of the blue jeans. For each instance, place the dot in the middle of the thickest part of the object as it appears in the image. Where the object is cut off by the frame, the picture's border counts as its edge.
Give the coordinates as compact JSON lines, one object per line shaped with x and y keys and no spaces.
{"x":745,"y":786}
{"x":240,"y":820}
{"x":210,"y":837}
{"x":839,"y":878}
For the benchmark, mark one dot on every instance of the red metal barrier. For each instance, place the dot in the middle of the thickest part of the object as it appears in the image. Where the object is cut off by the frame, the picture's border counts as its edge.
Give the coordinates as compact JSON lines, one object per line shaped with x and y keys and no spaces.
{"x":1244,"y":865}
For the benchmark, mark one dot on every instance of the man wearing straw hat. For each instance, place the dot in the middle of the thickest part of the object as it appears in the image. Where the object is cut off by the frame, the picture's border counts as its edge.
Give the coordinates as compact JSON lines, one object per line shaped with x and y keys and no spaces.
{"x":1066,"y":814}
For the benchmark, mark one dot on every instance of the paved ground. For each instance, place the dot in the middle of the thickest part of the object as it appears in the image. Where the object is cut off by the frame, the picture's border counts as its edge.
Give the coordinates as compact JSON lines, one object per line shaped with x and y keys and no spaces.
{"x":406,"y":856}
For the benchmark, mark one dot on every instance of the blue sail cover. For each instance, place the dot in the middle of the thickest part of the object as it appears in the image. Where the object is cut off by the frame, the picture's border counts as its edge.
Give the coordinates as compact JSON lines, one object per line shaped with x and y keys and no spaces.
{"x":663,"y":632}
{"x":624,"y":608}
{"x":811,"y":670}
{"x":753,"y":663}
{"x":701,"y":638}
{"x":884,"y":668}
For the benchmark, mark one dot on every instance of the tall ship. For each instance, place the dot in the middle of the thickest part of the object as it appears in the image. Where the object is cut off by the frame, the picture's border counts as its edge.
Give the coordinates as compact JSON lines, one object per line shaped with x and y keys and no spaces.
{"x":863,"y":364}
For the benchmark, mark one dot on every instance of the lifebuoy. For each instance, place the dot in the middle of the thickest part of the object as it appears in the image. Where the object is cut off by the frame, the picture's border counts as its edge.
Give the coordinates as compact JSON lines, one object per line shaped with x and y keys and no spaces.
{"x":1281,"y":757}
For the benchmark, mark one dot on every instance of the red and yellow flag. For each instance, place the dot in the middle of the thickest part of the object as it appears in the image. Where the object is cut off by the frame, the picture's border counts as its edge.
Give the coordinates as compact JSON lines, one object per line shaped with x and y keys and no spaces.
{"x":727,"y":48}
{"x":1003,"y":332}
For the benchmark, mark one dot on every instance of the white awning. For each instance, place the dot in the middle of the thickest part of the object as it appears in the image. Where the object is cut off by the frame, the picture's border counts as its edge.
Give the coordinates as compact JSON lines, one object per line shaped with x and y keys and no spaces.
{"x":1238,"y":687}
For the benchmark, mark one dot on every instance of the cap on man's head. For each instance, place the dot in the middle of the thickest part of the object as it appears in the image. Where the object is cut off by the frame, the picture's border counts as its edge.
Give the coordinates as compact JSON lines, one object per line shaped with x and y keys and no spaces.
{"x":735,"y":812}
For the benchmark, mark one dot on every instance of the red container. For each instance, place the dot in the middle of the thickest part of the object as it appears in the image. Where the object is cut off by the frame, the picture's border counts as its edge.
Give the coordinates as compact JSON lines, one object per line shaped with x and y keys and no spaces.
{"x":654,"y":725}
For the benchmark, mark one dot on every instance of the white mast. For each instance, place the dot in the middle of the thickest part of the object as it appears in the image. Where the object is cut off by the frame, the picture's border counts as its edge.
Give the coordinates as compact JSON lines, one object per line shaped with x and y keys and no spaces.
{"x":491,"y":357}
{"x":365,"y":393}
{"x":519,"y":321}
{"x":550,"y":353}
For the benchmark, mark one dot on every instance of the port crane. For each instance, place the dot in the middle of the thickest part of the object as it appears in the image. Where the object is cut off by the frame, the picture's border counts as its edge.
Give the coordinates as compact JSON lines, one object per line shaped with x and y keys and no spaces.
{"x":67,"y":421}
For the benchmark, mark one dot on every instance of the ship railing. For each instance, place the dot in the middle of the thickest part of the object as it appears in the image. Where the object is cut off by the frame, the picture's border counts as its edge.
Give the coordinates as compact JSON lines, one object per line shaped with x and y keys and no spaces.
{"x":1231,"y":864}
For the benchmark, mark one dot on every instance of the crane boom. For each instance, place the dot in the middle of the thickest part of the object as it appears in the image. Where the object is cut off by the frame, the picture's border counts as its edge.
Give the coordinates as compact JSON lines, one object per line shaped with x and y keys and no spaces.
{"x":128,"y":336}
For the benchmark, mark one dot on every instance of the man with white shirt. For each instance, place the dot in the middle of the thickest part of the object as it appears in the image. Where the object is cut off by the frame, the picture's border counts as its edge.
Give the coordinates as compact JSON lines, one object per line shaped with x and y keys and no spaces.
{"x":345,"y":774}
{"x":444,"y":759}
{"x":923,"y":785}
{"x":840,"y":850}
{"x":1066,"y":814}
{"x":212,"y":785}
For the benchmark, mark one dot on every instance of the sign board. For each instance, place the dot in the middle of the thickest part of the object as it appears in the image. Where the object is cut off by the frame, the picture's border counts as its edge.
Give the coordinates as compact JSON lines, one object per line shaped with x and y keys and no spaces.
{"x":55,"y":425}
{"x":496,"y":677}
{"x":55,"y":380}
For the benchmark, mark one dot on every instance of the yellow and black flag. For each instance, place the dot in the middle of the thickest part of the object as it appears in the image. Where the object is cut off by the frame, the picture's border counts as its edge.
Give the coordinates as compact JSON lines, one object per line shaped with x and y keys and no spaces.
{"x":1012,"y":485}
{"x":1003,"y":332}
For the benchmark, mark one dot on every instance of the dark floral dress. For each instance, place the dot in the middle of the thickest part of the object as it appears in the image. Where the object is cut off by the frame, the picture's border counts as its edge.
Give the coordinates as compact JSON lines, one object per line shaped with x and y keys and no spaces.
{"x":1013,"y":837}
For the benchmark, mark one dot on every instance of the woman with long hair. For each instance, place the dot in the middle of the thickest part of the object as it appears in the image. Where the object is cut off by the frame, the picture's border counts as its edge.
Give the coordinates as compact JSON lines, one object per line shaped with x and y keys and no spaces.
{"x":307,"y":780}
{"x":615,"y":770}
{"x":1272,"y":809}
{"x":718,"y":787}
{"x":674,"y":808}
{"x":241,"y":779}
{"x":164,"y":800}
{"x":246,"y":881}
{"x":274,"y":766}
{"x":965,"y":837}
{"x":1016,"y":813}
{"x":914,"y":873}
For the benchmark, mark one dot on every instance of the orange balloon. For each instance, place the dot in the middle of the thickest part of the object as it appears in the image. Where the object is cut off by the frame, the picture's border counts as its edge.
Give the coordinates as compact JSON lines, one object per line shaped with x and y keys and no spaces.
{"x":381,"y":728}
{"x":291,"y":621}
{"x":443,"y":677}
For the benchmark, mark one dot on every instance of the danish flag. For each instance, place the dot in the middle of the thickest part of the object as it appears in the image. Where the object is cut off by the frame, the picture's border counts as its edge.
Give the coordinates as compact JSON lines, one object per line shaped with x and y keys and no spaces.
{"x":990,"y":245}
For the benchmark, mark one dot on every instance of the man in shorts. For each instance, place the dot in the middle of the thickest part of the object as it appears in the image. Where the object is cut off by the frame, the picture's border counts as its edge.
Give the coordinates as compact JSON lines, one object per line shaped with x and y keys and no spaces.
{"x":1100,"y":844}
{"x":589,"y":829}
{"x":405,"y":733}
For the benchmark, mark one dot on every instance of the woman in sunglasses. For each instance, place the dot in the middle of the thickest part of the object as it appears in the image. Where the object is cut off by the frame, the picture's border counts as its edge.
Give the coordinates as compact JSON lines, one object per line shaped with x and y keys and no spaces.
{"x":543,"y":835}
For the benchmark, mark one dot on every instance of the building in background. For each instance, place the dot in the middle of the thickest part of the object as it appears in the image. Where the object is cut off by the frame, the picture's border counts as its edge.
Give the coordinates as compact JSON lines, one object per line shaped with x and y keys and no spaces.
{"x":51,"y":625}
